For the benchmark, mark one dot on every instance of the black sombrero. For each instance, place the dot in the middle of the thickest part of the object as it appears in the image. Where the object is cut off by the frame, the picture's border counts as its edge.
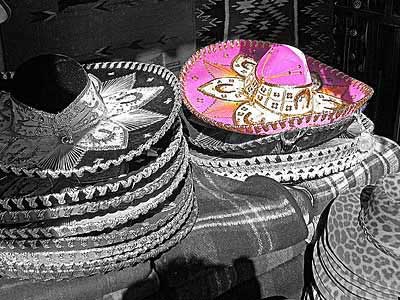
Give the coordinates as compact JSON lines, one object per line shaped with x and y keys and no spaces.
{"x":60,"y":118}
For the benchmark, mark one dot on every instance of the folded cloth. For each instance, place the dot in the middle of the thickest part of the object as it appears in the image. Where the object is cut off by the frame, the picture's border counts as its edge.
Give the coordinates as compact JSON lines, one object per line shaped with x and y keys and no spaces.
{"x":385,"y":159}
{"x":76,"y":289}
{"x":256,"y":223}
{"x":239,"y":219}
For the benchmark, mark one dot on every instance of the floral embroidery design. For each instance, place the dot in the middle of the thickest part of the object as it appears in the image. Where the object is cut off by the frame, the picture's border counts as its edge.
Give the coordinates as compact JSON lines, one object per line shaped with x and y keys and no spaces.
{"x":255,"y":93}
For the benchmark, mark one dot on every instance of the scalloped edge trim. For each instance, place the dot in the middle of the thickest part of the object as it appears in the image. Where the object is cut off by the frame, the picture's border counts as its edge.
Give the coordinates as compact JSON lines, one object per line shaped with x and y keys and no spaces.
{"x":134,"y":66}
{"x":266,"y":139}
{"x":297,"y":174}
{"x":86,"y":242}
{"x":89,"y":191}
{"x":279,"y":160}
{"x":38,"y":215}
{"x":277,"y":126}
{"x":90,"y":256}
{"x":59,"y":273}
{"x":98,"y":223}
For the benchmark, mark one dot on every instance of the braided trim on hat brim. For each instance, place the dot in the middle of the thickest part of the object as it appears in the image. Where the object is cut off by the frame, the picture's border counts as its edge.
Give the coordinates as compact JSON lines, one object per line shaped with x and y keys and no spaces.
{"x":157,"y":244}
{"x":279,"y":137}
{"x":99,"y":223}
{"x":88,"y":192}
{"x":279,"y":161}
{"x":137,"y":229}
{"x":79,"y":257}
{"x":300,"y":133}
{"x":134,"y":66}
{"x":269,"y":128}
{"x":295,"y":174}
{"x":37,"y":215}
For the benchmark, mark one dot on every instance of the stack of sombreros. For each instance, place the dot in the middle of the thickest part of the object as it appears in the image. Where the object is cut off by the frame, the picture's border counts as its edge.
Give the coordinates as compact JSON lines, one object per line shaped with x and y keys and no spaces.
{"x":94,"y":168}
{"x":257,"y":108}
{"x":357,"y":252}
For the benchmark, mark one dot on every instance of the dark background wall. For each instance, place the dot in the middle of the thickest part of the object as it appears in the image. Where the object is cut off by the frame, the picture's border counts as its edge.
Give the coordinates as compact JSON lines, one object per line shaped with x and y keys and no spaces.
{"x":367,"y":46}
{"x":167,"y":31}
{"x":360,"y":37}
{"x":90,"y":30}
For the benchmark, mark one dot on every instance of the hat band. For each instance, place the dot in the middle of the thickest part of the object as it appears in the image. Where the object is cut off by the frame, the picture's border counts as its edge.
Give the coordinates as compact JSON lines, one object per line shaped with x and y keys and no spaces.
{"x":282,"y":100}
{"x":69,"y":125}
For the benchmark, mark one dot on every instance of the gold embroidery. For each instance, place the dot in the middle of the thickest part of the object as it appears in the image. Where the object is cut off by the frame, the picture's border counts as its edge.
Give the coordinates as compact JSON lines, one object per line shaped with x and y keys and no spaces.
{"x":304,"y":93}
{"x":221,"y":88}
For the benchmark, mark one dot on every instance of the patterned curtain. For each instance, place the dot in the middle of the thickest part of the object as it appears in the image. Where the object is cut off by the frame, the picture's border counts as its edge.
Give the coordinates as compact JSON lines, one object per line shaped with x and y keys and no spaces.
{"x":303,"y":23}
{"x":143,"y":30}
{"x":315,"y":29}
{"x":218,"y":20}
{"x":100,"y":30}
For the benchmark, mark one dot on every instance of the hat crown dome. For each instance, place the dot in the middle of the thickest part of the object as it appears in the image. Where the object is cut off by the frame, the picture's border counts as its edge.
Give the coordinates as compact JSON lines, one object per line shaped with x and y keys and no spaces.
{"x":49,"y":82}
{"x":283,"y":65}
{"x":61,"y":101}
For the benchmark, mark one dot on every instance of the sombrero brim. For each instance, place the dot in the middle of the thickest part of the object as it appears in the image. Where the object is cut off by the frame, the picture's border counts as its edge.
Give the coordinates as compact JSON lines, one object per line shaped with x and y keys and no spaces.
{"x":101,"y":242}
{"x":336,"y":155}
{"x":156,"y":103}
{"x":381,"y":205}
{"x":195,"y":74}
{"x":333,"y":277}
{"x":293,"y":175}
{"x":24,"y":193}
{"x":344,"y":239}
{"x":147,"y":247}
{"x":206,"y":138}
{"x":104,"y":203}
{"x":135,"y":229}
{"x":117,"y":211}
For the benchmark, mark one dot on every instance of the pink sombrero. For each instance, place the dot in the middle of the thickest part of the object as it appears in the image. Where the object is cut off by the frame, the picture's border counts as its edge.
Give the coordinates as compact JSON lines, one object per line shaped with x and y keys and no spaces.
{"x":261,"y":88}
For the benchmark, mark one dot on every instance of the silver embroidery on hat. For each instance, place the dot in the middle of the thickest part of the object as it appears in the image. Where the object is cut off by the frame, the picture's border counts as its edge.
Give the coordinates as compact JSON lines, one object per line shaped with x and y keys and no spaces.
{"x":100,"y":119}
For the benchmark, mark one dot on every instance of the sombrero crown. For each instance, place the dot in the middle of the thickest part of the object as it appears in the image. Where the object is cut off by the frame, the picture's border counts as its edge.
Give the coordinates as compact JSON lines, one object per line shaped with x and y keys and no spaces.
{"x":262,"y":88}
{"x":58,"y":119}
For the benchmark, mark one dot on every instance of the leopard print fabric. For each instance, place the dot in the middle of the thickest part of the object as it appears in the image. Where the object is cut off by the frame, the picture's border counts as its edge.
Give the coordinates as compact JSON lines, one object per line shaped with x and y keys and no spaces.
{"x":382,"y":217}
{"x":391,"y":184}
{"x":348,"y":266}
